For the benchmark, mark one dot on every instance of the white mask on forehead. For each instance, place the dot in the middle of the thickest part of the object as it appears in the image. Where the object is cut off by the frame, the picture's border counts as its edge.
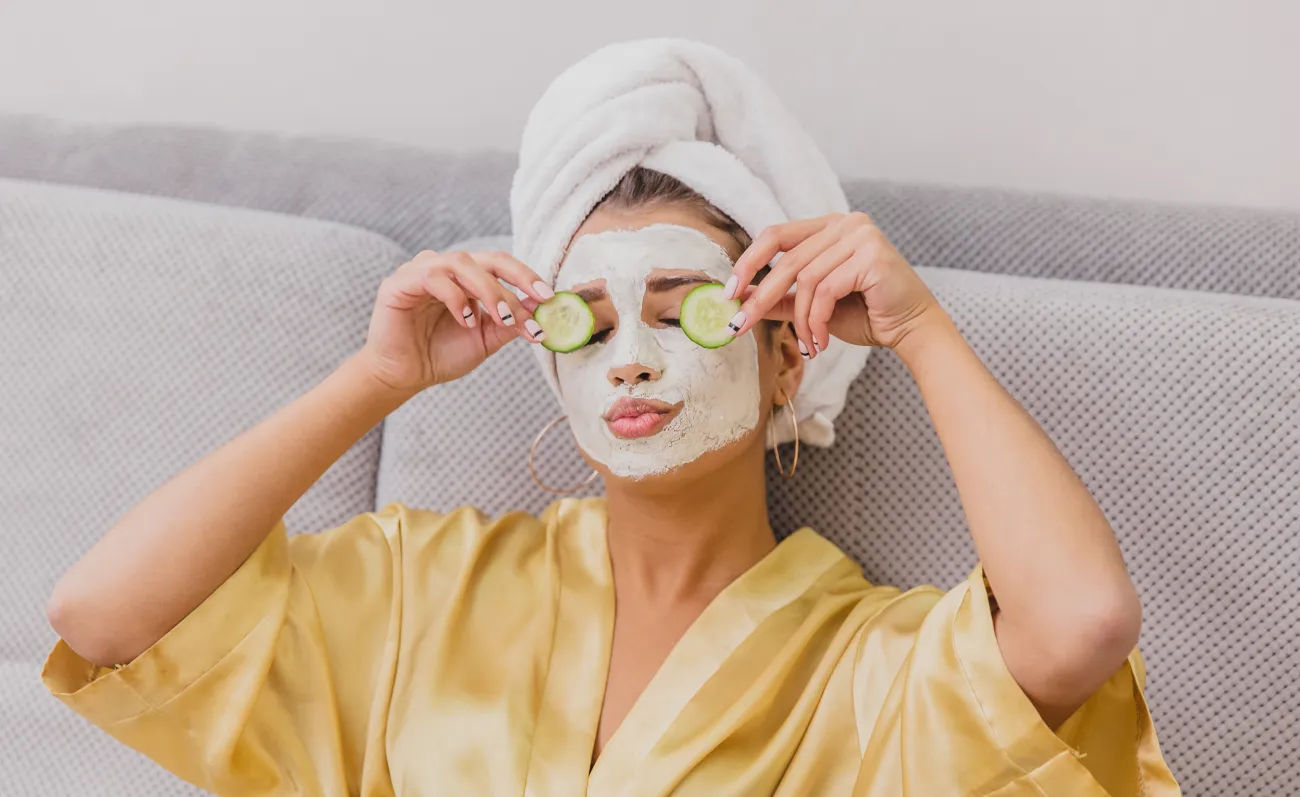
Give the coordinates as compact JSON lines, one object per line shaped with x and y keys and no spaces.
{"x":718,"y":388}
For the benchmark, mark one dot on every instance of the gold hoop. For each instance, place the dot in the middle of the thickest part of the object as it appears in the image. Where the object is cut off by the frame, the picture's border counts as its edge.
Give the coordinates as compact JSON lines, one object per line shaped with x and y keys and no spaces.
{"x":532,"y":471}
{"x":776,"y":449}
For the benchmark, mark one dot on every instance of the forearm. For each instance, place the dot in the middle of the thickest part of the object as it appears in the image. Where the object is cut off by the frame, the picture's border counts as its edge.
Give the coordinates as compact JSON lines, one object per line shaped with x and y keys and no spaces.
{"x":170,"y":551}
{"x":1047,"y":548}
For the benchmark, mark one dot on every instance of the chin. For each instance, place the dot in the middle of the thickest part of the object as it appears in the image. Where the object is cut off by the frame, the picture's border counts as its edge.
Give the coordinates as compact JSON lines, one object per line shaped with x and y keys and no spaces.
{"x":712,"y":464}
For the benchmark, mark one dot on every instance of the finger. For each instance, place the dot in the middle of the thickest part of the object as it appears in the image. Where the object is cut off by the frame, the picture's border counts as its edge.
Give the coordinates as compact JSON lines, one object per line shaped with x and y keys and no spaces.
{"x":769,"y":243}
{"x":783,"y":310}
{"x":509,"y":310}
{"x":496,"y":336}
{"x":809,"y":280}
{"x":405,"y":288}
{"x":437,"y":283}
{"x":531,"y":330}
{"x":782,"y":276}
{"x":505,"y":267}
{"x":838,"y":284}
{"x":500,"y":304}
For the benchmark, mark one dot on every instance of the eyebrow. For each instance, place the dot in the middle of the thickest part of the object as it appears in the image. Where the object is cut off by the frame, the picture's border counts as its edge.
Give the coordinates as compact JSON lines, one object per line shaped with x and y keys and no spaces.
{"x":596,"y":293}
{"x":667,"y":283}
{"x":593,"y":294}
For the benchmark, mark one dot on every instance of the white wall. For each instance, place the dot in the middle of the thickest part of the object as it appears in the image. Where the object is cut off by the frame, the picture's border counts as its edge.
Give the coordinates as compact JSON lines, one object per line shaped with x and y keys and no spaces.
{"x":1185,"y":100}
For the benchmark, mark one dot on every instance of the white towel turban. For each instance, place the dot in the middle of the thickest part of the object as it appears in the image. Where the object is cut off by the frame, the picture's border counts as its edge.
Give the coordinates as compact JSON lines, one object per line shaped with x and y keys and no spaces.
{"x":695,"y":113}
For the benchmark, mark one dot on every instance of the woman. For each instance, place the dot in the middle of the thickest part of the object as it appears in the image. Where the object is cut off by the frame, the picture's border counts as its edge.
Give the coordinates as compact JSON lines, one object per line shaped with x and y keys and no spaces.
{"x":658,"y":640}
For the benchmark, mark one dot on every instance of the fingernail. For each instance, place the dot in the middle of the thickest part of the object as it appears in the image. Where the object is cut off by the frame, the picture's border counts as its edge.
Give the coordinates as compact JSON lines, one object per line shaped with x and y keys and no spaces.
{"x":817,"y":346}
{"x":471,"y":321}
{"x":729,"y":292}
{"x":737,"y":321}
{"x":503,"y":311}
{"x":544,"y":291}
{"x":803,"y":350}
{"x":468,"y":315}
{"x":535,"y":329}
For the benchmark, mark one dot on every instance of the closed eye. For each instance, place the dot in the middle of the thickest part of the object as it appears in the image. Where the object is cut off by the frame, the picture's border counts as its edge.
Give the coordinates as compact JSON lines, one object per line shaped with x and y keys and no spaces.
{"x":600,"y":336}
{"x":671,"y":322}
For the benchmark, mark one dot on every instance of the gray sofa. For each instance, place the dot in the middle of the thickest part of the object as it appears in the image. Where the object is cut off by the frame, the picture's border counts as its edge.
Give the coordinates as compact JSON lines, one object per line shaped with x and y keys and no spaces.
{"x":162,"y":289}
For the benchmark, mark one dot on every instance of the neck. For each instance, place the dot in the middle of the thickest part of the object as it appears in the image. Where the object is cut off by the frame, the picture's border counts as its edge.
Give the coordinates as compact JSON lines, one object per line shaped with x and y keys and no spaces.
{"x":687,"y":539}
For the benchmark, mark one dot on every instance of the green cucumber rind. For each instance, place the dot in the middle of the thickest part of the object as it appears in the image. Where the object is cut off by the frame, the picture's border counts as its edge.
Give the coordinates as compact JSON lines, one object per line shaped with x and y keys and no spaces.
{"x":551,"y":341}
{"x":696,"y":336}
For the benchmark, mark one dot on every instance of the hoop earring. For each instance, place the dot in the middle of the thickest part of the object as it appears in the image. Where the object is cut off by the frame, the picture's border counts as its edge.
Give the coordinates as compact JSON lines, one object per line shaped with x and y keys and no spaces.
{"x":532,"y":470}
{"x":776,"y":449}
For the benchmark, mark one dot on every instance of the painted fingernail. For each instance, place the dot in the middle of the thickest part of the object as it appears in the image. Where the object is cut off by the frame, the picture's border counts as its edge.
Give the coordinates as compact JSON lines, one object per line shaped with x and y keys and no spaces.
{"x":737,"y":321}
{"x":535,"y":329}
{"x":503,"y":311}
{"x":468,"y":314}
{"x":803,"y":350}
{"x":544,"y":291}
{"x":817,"y":346}
{"x":729,"y":291}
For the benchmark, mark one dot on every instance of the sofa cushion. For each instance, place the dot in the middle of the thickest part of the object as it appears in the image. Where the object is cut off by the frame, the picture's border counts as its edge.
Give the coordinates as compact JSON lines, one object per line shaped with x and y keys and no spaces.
{"x":1227,"y":250}
{"x":420,"y":199}
{"x":429,"y":199}
{"x":138,"y":335}
{"x":1179,"y":410}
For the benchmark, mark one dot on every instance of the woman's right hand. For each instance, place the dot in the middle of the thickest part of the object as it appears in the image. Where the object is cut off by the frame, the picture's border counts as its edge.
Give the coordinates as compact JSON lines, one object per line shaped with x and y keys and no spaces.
{"x":428,"y":326}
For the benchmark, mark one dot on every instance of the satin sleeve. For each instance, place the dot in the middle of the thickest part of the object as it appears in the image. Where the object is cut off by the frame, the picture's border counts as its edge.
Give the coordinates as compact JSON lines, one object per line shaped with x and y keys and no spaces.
{"x":950,"y":719}
{"x":277,"y":682}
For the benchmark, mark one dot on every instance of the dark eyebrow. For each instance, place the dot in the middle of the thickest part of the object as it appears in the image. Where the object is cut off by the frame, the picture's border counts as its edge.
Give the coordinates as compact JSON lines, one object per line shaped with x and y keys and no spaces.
{"x":667,"y":283}
{"x":593,"y":294}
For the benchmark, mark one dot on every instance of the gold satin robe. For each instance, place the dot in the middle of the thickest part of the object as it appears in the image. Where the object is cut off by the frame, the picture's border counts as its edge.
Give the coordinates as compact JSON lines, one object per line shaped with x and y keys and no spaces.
{"x":408,"y":652}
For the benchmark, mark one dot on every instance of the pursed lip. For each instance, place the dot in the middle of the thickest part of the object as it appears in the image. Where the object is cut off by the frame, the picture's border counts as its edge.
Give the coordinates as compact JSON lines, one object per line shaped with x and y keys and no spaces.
{"x":631,"y":418}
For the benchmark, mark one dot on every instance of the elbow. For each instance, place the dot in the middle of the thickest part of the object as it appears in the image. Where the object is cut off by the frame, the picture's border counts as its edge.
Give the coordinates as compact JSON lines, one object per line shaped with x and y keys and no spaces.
{"x":61,"y":612}
{"x":1118,"y":623}
{"x":1102,"y":635}
{"x":1073,"y":652}
{"x":80,"y":624}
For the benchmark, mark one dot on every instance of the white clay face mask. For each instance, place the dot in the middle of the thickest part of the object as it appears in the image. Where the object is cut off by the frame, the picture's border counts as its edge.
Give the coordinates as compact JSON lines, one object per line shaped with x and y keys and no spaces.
{"x":717,"y":389}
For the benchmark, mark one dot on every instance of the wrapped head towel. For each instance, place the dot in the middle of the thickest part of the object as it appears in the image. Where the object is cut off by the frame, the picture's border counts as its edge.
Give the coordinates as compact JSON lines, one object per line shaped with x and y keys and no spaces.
{"x":695,"y":113}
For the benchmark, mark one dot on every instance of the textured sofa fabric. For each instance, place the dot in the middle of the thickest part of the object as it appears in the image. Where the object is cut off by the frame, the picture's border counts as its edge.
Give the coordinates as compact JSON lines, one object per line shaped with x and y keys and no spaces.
{"x":1179,"y":409}
{"x":424,"y":199}
{"x":136,"y":335}
{"x":139,"y":333}
{"x":419,"y":199}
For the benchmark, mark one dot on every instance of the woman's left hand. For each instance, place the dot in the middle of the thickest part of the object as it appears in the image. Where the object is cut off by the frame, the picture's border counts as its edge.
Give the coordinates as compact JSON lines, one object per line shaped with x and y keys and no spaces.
{"x":852,"y":284}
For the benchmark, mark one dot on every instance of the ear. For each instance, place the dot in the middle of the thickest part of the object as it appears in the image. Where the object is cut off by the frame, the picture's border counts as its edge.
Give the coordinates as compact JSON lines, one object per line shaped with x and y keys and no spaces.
{"x":789,"y":362}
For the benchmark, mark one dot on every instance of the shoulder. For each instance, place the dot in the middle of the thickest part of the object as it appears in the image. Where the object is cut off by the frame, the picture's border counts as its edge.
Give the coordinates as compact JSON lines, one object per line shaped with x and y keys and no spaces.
{"x":416,"y":537}
{"x":418,"y":532}
{"x":894,"y":621}
{"x":432,"y":543}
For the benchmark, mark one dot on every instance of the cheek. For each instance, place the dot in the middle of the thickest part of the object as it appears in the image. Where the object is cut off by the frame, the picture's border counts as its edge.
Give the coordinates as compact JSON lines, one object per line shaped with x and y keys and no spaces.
{"x":578,"y":373}
{"x":733,"y":367}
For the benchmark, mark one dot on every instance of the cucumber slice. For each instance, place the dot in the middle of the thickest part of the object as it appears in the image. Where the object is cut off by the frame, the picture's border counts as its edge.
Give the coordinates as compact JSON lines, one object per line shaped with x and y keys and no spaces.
{"x":705,"y":314}
{"x":567,"y":322}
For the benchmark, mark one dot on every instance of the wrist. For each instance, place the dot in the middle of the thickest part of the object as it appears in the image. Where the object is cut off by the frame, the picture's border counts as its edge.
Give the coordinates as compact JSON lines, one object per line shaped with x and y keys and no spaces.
{"x":357,"y":372}
{"x":933,"y":330}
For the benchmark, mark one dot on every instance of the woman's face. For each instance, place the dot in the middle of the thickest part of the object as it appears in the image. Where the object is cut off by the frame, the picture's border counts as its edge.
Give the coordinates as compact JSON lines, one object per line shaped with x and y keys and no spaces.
{"x":642,"y":398}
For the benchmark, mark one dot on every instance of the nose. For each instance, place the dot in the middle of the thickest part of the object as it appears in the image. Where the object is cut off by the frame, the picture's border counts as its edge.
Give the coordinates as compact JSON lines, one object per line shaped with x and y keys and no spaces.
{"x":632,"y":374}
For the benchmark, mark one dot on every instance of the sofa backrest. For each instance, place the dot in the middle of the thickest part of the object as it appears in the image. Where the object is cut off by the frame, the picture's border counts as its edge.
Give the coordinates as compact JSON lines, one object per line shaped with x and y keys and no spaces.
{"x":136,"y":336}
{"x":429,"y":199}
{"x":1180,"y":410}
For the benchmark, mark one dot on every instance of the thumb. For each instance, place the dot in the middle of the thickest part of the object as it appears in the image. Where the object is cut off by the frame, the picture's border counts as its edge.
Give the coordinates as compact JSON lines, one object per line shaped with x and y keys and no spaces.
{"x":495,"y":336}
